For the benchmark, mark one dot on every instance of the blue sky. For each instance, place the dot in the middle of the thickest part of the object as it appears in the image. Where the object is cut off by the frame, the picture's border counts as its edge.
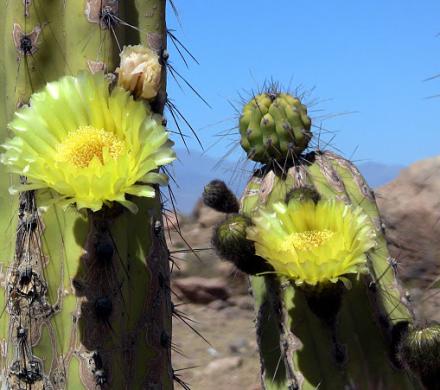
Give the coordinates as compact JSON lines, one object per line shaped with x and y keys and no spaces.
{"x":370,"y":58}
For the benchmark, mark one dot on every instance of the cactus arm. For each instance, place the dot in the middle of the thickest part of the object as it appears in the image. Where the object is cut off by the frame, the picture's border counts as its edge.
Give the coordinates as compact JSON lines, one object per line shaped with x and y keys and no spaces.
{"x":273,"y":371}
{"x":311,"y":357}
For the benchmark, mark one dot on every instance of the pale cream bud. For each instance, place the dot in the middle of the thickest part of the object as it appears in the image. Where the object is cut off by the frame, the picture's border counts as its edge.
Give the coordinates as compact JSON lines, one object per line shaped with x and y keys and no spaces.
{"x":139,"y":71}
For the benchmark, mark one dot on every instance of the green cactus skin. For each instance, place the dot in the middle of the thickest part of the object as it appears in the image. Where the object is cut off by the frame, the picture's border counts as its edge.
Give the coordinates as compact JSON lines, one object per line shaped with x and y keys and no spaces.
{"x":230,"y":242}
{"x":297,"y":349}
{"x":86,"y":298}
{"x":274,"y":126}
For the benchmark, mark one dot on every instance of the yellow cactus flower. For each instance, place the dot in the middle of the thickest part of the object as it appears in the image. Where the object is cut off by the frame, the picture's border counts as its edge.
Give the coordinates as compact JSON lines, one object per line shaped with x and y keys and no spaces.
{"x":90,"y":145}
{"x":313,"y":243}
{"x":140,"y":71}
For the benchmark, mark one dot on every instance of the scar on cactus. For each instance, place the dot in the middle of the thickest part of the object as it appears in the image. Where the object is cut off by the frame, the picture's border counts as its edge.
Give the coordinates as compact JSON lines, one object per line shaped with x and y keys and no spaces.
{"x":310,"y":220}
{"x":26,"y":44}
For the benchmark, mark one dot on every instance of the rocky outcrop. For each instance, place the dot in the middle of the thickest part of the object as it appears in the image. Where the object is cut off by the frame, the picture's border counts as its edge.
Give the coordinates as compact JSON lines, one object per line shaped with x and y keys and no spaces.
{"x":410,"y":207}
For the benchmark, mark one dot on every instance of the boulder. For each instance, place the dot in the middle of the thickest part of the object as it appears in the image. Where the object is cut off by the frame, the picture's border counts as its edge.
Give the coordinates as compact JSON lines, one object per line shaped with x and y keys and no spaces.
{"x":410,"y":208}
{"x":223,"y":365}
{"x":201,"y":290}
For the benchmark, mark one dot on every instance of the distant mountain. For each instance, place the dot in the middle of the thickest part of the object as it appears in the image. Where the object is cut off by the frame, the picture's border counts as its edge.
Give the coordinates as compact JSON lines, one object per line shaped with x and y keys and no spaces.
{"x":192,"y":171}
{"x":378,"y":174}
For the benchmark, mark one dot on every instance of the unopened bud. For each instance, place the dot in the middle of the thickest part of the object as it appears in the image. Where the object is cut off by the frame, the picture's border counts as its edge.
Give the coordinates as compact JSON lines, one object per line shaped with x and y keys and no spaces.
{"x":140,"y":71}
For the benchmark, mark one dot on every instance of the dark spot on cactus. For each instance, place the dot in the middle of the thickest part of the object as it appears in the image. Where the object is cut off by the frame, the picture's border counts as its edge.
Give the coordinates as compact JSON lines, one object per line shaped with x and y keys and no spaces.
{"x":28,"y":373}
{"x":21,"y":334}
{"x":165,"y":340}
{"x":29,"y":221}
{"x":26,"y":45}
{"x":393,"y":263}
{"x":161,"y":280}
{"x":97,"y":360}
{"x":100,"y":377}
{"x":78,"y":285}
{"x":108,"y":18}
{"x":339,"y":353}
{"x":218,"y":196}
{"x":383,"y":321}
{"x":157,"y":228}
{"x":287,"y":127}
{"x":103,"y":308}
{"x":104,"y":252}
{"x":272,"y":95}
{"x":302,"y":194}
{"x":372,"y":286}
{"x":98,"y":368}
{"x":324,"y":300}
{"x":25,"y":277}
{"x":164,"y":56}
{"x":249,"y":132}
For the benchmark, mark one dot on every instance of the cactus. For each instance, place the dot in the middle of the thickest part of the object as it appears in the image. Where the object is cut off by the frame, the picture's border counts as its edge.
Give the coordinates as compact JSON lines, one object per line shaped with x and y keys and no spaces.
{"x":354,"y":329}
{"x":274,"y":126}
{"x":86,"y":302}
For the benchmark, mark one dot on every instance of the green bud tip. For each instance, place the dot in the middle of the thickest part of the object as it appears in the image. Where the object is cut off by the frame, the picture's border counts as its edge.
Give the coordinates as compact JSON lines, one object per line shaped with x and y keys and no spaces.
{"x":229,"y":240}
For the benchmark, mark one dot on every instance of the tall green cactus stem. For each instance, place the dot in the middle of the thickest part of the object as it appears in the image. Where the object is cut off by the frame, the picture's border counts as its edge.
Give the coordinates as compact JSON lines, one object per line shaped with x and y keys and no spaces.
{"x":86,"y":294}
{"x":298,"y":351}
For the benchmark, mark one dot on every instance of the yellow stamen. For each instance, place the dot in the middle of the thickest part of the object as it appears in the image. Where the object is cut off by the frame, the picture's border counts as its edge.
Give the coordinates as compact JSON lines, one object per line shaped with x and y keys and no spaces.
{"x":85,"y":143}
{"x":305,"y":241}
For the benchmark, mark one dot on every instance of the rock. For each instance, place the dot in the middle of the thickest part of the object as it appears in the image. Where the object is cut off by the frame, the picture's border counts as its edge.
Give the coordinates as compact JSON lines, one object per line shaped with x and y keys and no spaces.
{"x":213,"y":352}
{"x":219,"y":304}
{"x":410,"y":207}
{"x":237,"y":281}
{"x":239,"y":346}
{"x":244,"y":302}
{"x":223,"y":365}
{"x":226,"y":269}
{"x":206,"y":216}
{"x":201,"y":290}
{"x":232,"y":312}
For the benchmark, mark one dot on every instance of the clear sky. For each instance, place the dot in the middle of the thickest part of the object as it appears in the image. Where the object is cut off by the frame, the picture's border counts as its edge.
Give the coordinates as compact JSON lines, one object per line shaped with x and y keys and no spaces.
{"x":367,"y":57}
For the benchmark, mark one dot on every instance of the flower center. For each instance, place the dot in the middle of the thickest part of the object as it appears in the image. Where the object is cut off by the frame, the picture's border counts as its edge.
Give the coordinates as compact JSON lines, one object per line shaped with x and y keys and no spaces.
{"x":307,"y":240}
{"x":83,"y":144}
